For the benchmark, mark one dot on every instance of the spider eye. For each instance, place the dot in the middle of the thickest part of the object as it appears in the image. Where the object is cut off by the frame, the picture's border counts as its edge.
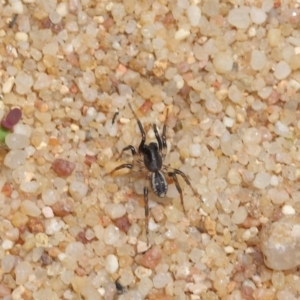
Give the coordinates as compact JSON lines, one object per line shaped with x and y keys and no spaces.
{"x":153,"y":146}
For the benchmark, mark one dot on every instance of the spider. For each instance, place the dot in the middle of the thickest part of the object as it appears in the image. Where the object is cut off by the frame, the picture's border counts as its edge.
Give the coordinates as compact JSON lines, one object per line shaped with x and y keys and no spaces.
{"x":151,"y":160}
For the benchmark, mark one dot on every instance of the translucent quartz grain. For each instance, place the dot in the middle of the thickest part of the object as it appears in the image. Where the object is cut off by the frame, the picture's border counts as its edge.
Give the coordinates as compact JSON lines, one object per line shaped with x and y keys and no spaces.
{"x":234,"y":94}
{"x":228,"y":122}
{"x":223,"y":62}
{"x":194,"y":14}
{"x":288,"y":210}
{"x":234,"y":176}
{"x":161,"y":279}
{"x":111,"y":235}
{"x":280,"y":243}
{"x":89,"y":292}
{"x":195,"y":255}
{"x":22,"y":271}
{"x":37,"y":253}
{"x":282,"y":129}
{"x":278,"y":196}
{"x":112,"y":129}
{"x":220,"y":284}
{"x":257,"y":15}
{"x":145,"y":285}
{"x":53,"y":225}
{"x":42,"y":81}
{"x":213,"y":250}
{"x":111,"y":264}
{"x":195,"y":150}
{"x":91,"y":218}
{"x":22,"y":129}
{"x":19,"y":219}
{"x":252,"y":136}
{"x":75,"y":250}
{"x":278,"y":280}
{"x":274,"y":36}
{"x":134,"y":230}
{"x":114,"y":210}
{"x":66,"y":276}
{"x":23,"y":83}
{"x":181,"y":34}
{"x":142,"y":272}
{"x":99,"y":232}
{"x":54,"y":17}
{"x":130,"y":26}
{"x":118,"y":12}
{"x":62,"y":10}
{"x":119,"y":101}
{"x":15,"y":141}
{"x":286,"y":294}
{"x":78,"y":190}
{"x":15,"y":158}
{"x":29,"y":208}
{"x":7,"y":244}
{"x":258,"y":60}
{"x":282,"y":70}
{"x":126,"y":276}
{"x":171,"y":231}
{"x":44,"y":293}
{"x":50,"y":196}
{"x":239,"y":17}
{"x":262,"y":180}
{"x":29,"y":187}
{"x":8,"y":85}
{"x":173,"y":214}
{"x":7,"y":263}
{"x":16,"y":7}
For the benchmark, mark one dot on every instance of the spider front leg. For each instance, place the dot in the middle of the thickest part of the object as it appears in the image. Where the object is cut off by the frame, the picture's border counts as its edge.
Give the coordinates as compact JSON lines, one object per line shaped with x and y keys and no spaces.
{"x":123,"y":166}
{"x":141,"y":146}
{"x":163,"y":136}
{"x":130,"y":147}
{"x":160,"y":145}
{"x":161,"y":141}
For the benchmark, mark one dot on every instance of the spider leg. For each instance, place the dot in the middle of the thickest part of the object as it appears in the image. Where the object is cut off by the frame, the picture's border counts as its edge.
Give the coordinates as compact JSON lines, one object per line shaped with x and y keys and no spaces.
{"x":146,"y":203}
{"x":146,"y":213}
{"x":141,"y":146}
{"x":130,"y":147}
{"x":178,"y":172}
{"x":123,"y":166}
{"x":173,"y":175}
{"x":163,"y":136}
{"x":160,"y":145}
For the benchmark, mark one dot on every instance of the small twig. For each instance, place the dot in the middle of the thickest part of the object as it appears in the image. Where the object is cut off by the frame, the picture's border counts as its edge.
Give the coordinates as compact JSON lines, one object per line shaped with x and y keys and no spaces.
{"x":13,"y":21}
{"x":114,"y":117}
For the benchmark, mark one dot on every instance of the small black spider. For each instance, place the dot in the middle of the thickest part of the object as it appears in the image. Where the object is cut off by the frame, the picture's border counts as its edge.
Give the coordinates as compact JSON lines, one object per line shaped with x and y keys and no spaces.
{"x":151,"y":160}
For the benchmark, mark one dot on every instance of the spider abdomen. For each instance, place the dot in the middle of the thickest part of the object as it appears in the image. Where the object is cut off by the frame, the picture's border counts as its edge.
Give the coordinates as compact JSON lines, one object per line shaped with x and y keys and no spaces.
{"x":159,"y":184}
